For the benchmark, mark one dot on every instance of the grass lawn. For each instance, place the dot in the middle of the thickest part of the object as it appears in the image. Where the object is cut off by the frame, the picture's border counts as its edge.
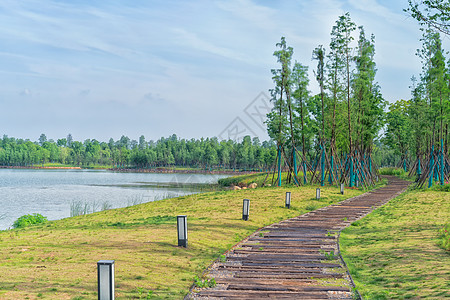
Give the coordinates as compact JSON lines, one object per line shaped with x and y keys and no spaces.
{"x":393,"y":253}
{"x":57,"y":260}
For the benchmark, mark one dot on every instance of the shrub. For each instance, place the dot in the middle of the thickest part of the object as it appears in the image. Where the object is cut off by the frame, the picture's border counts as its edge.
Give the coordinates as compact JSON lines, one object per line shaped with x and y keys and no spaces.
{"x":27,"y":220}
{"x":392,"y":171}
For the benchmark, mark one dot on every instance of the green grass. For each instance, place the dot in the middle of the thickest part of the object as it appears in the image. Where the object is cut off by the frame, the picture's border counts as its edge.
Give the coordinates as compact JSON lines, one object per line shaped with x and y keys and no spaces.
{"x":394,"y":252}
{"x":57,"y":260}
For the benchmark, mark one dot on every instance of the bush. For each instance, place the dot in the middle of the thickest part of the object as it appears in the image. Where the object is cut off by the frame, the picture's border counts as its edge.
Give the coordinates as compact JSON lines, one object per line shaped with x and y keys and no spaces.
{"x":27,"y":220}
{"x":393,"y":171}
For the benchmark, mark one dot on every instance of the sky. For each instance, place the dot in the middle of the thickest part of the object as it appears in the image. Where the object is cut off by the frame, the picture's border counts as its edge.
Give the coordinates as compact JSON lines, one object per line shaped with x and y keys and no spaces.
{"x":102,"y":69}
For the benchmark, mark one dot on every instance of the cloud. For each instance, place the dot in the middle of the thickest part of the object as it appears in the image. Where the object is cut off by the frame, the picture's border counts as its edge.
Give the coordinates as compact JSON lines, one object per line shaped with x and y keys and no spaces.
{"x":162,"y":67}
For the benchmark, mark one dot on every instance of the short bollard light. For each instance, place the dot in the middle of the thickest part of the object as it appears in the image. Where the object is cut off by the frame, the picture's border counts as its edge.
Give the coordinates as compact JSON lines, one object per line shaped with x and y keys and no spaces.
{"x":245,"y":209}
{"x":376,"y":178}
{"x":105,"y":279}
{"x":318,"y":194}
{"x":357,"y":183}
{"x":288,"y":199}
{"x":342,"y":188}
{"x":182,"y":231}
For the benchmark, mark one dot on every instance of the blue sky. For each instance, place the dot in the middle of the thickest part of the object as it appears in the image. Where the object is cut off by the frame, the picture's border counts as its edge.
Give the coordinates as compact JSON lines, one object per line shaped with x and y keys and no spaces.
{"x":101,"y":69}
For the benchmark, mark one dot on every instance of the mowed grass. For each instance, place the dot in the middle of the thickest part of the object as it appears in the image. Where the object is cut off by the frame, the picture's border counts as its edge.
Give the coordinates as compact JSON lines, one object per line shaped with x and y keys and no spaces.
{"x":393,"y":253}
{"x":57,"y":260}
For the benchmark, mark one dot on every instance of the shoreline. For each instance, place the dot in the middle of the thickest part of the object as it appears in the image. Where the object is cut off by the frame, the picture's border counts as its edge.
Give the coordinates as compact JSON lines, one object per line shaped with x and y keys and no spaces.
{"x":40,"y":167}
{"x":129,"y":170}
{"x":192,"y":171}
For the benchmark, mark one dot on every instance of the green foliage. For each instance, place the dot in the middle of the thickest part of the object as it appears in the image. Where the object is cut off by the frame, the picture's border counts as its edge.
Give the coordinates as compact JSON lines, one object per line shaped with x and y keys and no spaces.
{"x":392,"y":171}
{"x":328,"y":255}
{"x":204,"y":154}
{"x":431,"y":13}
{"x":414,"y":126}
{"x":144,"y":294}
{"x":205,"y":283}
{"x":444,"y":237}
{"x":27,"y":220}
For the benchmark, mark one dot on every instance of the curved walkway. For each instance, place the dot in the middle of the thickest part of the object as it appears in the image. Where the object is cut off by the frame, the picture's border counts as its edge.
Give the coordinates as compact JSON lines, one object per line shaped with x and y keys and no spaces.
{"x":296,"y":258}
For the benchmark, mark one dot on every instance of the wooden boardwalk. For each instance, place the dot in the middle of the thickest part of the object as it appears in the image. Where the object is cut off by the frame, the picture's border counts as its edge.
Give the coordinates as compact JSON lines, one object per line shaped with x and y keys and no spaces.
{"x":296,"y":258}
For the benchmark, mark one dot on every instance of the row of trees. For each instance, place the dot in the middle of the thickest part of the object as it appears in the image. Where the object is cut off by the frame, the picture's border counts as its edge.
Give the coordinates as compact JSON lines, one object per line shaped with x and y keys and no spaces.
{"x":419,"y":126}
{"x":124,"y":153}
{"x":342,"y":120}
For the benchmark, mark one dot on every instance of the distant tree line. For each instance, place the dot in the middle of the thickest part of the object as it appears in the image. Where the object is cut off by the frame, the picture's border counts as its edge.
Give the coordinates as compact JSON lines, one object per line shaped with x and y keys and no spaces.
{"x":126,"y":153}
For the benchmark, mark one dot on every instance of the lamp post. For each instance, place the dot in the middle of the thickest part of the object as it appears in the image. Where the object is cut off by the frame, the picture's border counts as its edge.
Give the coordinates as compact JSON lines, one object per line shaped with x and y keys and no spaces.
{"x":342,"y":188}
{"x":182,"y":231}
{"x":288,"y":199}
{"x":105,"y":277}
{"x":245,"y":209}
{"x":318,"y":194}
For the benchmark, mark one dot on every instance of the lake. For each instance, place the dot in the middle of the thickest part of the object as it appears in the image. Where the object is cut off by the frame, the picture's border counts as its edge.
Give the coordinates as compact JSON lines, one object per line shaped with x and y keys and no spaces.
{"x":55,"y":193}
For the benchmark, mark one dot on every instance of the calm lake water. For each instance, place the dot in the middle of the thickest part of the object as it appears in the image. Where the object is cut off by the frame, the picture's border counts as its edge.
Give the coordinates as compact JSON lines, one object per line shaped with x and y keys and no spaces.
{"x":53,"y":193}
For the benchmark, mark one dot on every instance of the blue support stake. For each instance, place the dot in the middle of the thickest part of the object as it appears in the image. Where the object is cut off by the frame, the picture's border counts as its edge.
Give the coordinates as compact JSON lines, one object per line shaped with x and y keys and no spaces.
{"x":419,"y":169}
{"x":279,"y":166}
{"x":295,"y":166}
{"x":322,"y":167}
{"x":330,"y":179}
{"x":430,"y":180}
{"x":304,"y":173}
{"x":441,"y":167}
{"x":351,"y":172}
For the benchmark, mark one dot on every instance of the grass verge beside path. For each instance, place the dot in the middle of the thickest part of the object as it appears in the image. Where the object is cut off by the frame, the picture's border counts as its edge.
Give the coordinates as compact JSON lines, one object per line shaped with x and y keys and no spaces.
{"x":57,"y":260}
{"x":393,"y":253}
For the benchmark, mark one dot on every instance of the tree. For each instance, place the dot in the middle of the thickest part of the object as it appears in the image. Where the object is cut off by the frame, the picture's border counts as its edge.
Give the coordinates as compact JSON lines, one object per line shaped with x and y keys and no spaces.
{"x":42,"y":139}
{"x":69,"y":140}
{"x":431,"y":13}
{"x":342,"y":38}
{"x":398,"y":131}
{"x":366,"y":92}
{"x":319,"y":55}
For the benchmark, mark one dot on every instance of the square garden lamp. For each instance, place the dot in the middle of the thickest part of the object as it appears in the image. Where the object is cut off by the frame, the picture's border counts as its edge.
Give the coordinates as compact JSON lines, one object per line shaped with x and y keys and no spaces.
{"x":105,"y":279}
{"x":288,"y":199}
{"x":342,"y":188}
{"x":317,"y":193}
{"x":245,"y":209}
{"x":182,"y":231}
